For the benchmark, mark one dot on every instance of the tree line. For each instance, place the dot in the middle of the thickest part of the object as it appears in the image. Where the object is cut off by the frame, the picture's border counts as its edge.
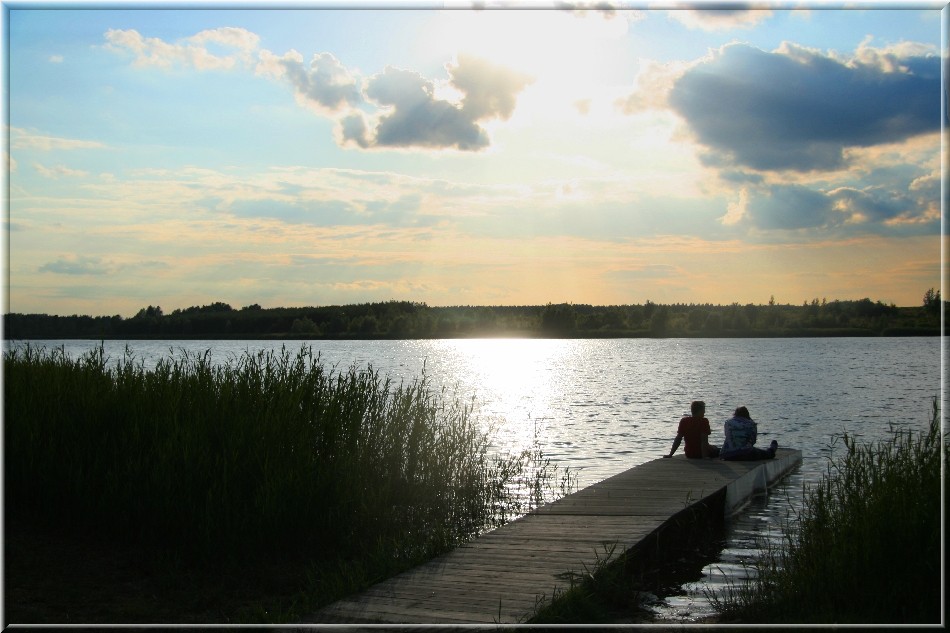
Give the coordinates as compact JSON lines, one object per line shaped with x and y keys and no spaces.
{"x":407,"y":320}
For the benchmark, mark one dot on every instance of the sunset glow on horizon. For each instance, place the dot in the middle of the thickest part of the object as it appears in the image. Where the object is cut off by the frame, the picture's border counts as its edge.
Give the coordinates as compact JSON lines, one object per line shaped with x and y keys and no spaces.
{"x":313,"y":156}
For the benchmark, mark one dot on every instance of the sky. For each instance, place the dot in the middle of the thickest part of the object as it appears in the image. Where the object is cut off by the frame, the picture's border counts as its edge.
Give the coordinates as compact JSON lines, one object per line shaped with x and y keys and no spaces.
{"x":306,"y":156}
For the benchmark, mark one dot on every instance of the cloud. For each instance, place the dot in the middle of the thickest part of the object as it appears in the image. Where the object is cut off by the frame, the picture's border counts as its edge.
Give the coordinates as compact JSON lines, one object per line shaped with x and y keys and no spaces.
{"x":227,"y":37}
{"x":644,"y":272}
{"x":654,"y":83}
{"x":918,"y":204}
{"x":401,"y":211}
{"x":407,"y":111}
{"x":24,"y":139}
{"x":490,"y":90}
{"x":417,"y":118}
{"x":580,"y":8}
{"x":791,"y":207}
{"x":212,"y":49}
{"x":58,"y":171}
{"x":888,"y":204}
{"x":735,"y":17}
{"x":76,"y":265}
{"x":324,"y":84}
{"x":798,"y":109}
{"x":56,"y":59}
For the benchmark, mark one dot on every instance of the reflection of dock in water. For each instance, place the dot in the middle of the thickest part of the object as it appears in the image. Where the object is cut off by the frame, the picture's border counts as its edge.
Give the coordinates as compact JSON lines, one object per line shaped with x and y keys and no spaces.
{"x":503,"y":576}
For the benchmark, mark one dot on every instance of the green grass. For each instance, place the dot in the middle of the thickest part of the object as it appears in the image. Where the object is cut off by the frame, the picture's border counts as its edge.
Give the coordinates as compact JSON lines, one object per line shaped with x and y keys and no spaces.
{"x":270,"y":461}
{"x":866,"y":548}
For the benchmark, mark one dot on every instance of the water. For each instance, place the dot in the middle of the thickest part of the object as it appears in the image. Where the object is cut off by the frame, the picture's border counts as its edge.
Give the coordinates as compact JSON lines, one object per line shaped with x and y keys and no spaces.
{"x":603,"y":406}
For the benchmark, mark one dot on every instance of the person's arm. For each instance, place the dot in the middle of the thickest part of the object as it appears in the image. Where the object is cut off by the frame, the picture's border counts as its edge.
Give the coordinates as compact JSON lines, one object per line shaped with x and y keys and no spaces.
{"x":676,"y":445}
{"x":705,"y":449}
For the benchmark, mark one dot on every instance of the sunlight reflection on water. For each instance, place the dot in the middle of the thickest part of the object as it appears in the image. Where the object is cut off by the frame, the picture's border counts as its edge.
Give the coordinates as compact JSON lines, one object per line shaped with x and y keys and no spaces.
{"x":513,"y":382}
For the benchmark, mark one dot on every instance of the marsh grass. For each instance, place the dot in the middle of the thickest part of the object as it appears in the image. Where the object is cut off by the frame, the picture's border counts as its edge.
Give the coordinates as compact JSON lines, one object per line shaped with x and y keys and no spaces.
{"x":866,"y":547}
{"x":271,"y":456}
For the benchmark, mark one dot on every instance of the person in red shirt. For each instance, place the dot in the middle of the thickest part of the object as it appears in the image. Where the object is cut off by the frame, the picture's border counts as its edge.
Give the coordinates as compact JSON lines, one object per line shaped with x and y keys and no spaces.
{"x":695,"y":430}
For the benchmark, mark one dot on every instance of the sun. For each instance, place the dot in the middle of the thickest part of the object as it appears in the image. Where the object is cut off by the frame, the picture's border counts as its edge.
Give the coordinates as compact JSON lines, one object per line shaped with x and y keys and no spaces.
{"x":554,"y":47}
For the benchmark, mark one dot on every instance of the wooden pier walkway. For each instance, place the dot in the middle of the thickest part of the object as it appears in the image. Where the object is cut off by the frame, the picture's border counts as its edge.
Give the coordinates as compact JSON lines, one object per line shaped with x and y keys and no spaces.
{"x":503,"y":576}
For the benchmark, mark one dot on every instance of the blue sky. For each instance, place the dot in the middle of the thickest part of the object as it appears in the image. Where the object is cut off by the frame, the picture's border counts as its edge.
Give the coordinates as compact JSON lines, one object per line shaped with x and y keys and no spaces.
{"x":308,"y":156}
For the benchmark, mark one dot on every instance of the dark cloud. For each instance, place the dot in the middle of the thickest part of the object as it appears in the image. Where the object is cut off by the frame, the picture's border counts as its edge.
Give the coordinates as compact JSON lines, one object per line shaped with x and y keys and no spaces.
{"x":798,"y":109}
{"x":874,"y":204}
{"x":849,"y":208}
{"x":914,"y":202}
{"x":325,"y":81}
{"x":419,"y":119}
{"x":721,"y":16}
{"x":792,"y":207}
{"x":608,"y":9}
{"x":354,"y":129}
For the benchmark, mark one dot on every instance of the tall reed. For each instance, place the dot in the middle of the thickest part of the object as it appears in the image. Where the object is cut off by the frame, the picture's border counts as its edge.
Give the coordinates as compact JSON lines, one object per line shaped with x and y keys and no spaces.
{"x":271,"y":454}
{"x":867,"y":546}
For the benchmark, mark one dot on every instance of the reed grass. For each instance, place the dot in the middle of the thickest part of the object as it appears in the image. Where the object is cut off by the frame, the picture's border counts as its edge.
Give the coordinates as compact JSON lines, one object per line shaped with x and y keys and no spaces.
{"x":866,"y":547}
{"x":269,"y":455}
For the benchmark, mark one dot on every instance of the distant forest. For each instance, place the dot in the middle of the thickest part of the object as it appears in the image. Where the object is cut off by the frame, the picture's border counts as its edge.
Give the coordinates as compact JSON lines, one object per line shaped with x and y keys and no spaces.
{"x":411,"y":320}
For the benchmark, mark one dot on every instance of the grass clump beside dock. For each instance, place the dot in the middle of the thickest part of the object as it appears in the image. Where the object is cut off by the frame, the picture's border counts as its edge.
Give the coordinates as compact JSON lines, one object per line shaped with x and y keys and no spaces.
{"x":866,"y":548}
{"x":271,"y":460}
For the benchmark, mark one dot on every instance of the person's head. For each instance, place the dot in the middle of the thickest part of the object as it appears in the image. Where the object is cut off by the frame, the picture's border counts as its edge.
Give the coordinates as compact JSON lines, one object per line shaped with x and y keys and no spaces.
{"x":697,"y":408}
{"x":742,"y":412}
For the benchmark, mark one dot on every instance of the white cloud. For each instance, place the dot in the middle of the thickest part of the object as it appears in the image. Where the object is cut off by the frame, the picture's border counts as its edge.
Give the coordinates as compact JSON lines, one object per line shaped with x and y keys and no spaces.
{"x":58,"y":171}
{"x":228,"y":37}
{"x":237,"y":46}
{"x":736,"y":210}
{"x":25,"y":139}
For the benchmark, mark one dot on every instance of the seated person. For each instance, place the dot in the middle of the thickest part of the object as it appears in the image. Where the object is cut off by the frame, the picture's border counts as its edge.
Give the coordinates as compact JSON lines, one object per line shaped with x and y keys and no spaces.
{"x":741,"y":431}
{"x":695,"y":430}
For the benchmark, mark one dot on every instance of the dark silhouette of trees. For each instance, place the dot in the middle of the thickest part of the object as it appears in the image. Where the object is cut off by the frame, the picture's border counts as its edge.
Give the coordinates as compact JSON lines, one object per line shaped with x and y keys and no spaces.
{"x":559,"y":319}
{"x":404,"y":319}
{"x":149,"y":313}
{"x":932,"y":301}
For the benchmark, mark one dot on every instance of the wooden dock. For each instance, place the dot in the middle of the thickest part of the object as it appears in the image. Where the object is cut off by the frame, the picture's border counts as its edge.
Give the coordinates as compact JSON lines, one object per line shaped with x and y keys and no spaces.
{"x":503,"y":576}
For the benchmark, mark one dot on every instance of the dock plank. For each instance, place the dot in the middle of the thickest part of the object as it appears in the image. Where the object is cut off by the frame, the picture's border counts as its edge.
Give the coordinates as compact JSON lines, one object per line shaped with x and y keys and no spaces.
{"x":504,"y":575}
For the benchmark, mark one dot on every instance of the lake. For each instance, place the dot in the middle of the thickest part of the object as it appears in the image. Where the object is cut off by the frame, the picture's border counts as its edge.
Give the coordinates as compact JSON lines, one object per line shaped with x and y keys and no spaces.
{"x":602,"y":406}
